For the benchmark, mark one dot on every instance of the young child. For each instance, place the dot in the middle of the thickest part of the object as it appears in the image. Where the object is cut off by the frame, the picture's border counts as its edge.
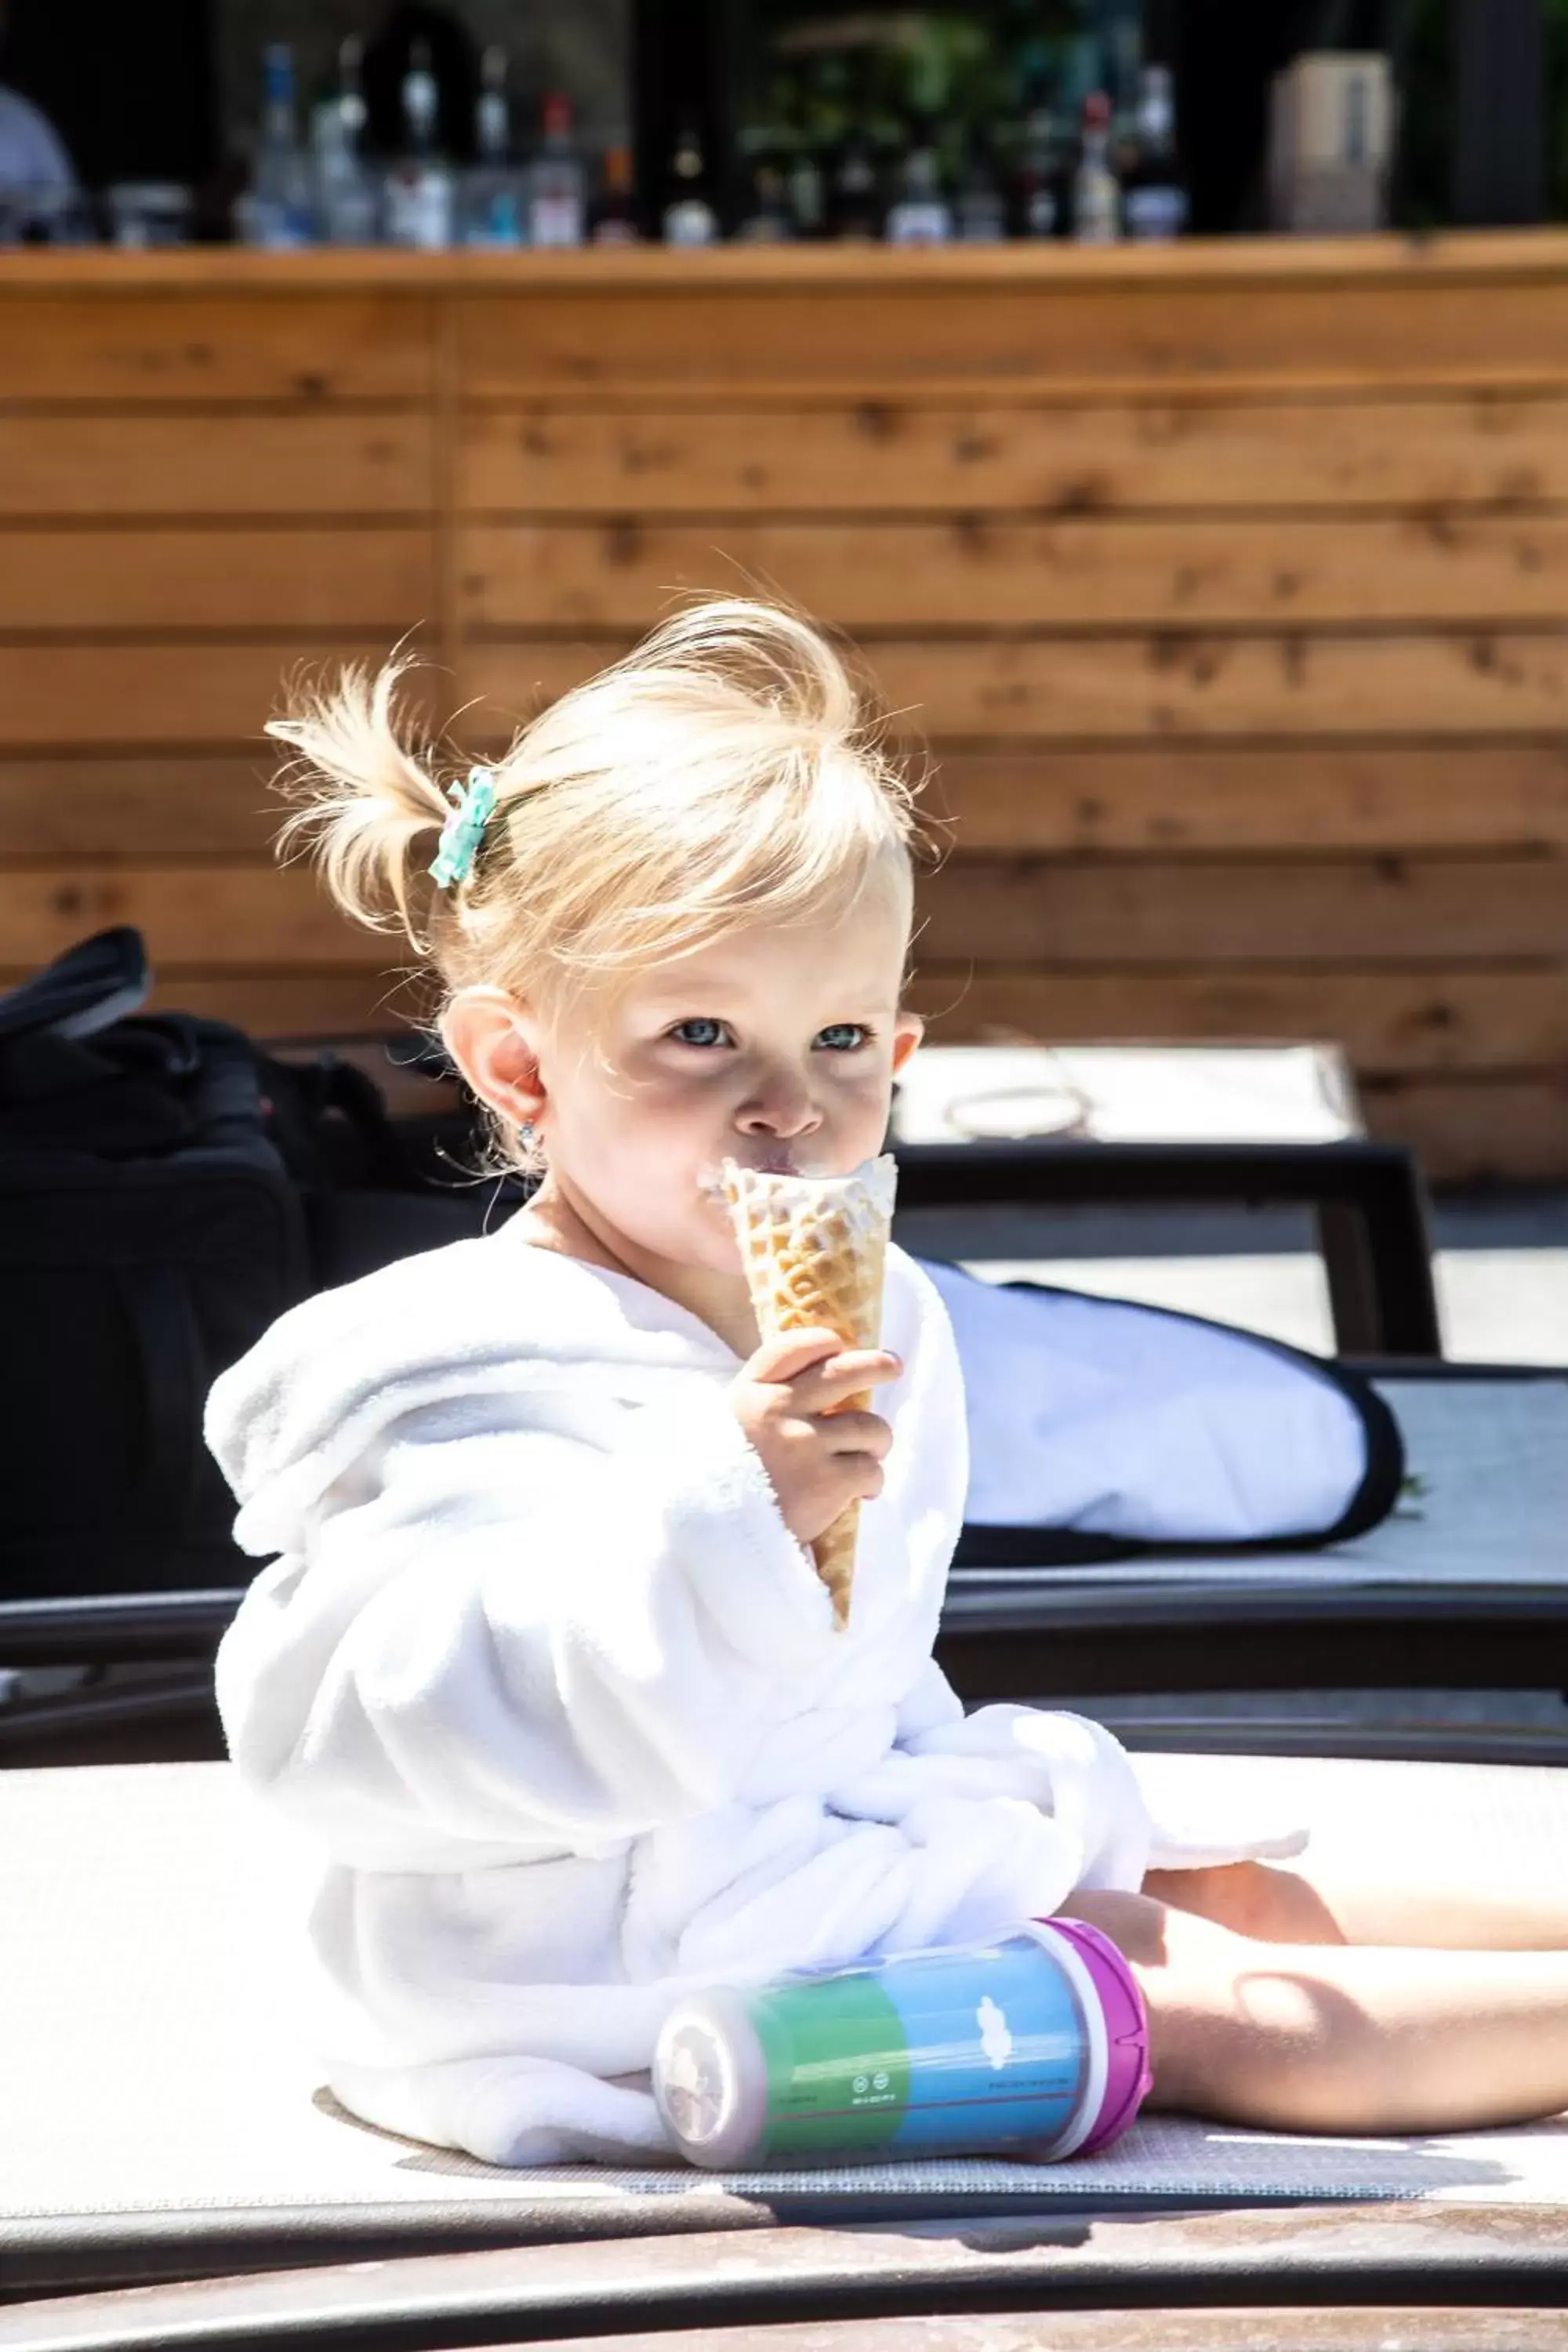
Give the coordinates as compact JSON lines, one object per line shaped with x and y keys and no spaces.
{"x":543,"y":1666}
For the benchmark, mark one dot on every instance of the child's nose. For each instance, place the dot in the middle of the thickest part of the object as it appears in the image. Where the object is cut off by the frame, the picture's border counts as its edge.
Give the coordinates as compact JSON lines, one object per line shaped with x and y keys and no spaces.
{"x":783,"y":1110}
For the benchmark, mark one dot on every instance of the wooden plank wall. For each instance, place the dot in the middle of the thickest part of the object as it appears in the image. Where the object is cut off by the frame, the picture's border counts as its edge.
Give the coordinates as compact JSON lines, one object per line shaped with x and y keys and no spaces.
{"x":200,"y":491}
{"x":1232,"y":612}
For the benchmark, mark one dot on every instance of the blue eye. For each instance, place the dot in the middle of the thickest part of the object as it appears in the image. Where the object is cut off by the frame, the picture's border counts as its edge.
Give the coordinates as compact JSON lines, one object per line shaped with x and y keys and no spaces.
{"x":703,"y":1033}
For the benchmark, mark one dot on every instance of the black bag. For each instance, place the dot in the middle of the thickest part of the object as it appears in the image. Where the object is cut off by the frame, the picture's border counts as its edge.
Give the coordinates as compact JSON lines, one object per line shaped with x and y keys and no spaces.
{"x":166,"y":1191}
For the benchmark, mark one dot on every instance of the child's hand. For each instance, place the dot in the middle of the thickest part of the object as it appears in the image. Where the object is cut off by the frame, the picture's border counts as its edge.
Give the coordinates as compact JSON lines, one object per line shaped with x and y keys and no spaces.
{"x":820,"y":1460}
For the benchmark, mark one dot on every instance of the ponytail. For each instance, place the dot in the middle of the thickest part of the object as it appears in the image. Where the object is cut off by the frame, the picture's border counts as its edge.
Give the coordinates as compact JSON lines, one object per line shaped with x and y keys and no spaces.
{"x":368,"y":807}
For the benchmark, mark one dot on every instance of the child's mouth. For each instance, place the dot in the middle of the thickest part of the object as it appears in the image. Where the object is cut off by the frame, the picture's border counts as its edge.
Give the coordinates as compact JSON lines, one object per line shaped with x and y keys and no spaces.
{"x":711,"y":1181}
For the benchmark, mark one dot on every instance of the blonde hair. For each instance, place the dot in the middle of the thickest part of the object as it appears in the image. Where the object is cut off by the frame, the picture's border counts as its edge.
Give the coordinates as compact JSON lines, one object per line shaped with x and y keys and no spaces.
{"x":728,"y":771}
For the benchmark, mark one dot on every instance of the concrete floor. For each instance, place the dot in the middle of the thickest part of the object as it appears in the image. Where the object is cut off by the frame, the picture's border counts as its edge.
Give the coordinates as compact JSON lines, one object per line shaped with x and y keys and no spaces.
{"x":1500,"y":1266}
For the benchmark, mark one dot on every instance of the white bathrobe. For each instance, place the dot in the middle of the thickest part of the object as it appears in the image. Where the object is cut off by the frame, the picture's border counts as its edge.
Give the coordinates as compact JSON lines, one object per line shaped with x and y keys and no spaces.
{"x":560,"y":1699}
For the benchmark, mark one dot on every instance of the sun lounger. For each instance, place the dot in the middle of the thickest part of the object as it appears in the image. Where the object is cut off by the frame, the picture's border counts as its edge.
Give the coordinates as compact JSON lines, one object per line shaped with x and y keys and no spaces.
{"x":160,"y":2110}
{"x":1465,"y":1586}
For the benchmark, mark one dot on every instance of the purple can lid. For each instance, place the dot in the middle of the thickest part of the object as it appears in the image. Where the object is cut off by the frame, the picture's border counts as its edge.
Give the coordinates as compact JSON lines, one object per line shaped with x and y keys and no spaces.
{"x":1127,"y":2075}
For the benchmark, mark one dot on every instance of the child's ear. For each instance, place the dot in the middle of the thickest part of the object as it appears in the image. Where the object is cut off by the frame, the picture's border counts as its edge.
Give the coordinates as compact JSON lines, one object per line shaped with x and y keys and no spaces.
{"x":908,"y":1031}
{"x":491,"y":1039}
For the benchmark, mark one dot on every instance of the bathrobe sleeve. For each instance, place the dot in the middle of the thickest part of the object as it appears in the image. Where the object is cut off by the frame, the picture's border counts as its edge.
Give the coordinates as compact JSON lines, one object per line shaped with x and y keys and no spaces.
{"x":510,"y":1634}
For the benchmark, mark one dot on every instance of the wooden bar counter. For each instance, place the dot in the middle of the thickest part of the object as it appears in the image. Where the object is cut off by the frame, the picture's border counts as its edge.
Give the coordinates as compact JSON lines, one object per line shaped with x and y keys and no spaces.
{"x":1228,"y":584}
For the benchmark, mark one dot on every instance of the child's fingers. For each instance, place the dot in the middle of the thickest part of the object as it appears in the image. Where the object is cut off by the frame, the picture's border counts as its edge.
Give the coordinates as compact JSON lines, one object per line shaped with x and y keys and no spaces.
{"x":857,"y":1433}
{"x":826,"y":1387}
{"x":795,"y":1353}
{"x":858,"y":1480}
{"x":827,"y":1364}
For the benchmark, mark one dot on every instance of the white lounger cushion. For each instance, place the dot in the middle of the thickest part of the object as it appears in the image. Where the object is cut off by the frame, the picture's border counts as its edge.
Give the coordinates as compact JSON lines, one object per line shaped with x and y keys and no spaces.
{"x":1108,"y":1417}
{"x":148,"y":2063}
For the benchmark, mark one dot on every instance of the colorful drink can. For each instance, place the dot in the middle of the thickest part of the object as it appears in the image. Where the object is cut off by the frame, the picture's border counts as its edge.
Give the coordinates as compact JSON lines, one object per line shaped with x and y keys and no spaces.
{"x":1034,"y":2046}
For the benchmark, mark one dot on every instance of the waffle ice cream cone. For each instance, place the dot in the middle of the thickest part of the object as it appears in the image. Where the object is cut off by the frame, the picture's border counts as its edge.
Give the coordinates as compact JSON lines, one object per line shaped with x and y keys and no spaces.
{"x":813,"y":1248}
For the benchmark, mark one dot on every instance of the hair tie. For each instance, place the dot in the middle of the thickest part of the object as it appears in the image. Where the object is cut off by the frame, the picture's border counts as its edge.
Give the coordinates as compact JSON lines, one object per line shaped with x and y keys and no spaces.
{"x":474,"y":804}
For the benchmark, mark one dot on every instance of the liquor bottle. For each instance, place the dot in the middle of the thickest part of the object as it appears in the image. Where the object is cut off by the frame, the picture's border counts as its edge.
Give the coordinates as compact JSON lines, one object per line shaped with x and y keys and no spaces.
{"x":766,"y":218}
{"x":855,"y":212}
{"x":1125,"y":85}
{"x":980,"y":215}
{"x":817,"y":122}
{"x":615,"y":220}
{"x":920,"y":215}
{"x":346,"y":192}
{"x":492,"y":194}
{"x":420,"y":189}
{"x":1096,"y":198}
{"x":280,"y":209}
{"x":764,"y":209}
{"x":557,"y":184}
{"x":807,"y":187}
{"x":1038,"y":211}
{"x":1154,"y":197}
{"x":689,"y":217}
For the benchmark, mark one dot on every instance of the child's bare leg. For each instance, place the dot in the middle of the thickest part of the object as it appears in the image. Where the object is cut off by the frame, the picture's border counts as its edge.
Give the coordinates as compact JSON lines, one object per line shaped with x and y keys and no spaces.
{"x":1312,"y":2037}
{"x":1309,"y":1906}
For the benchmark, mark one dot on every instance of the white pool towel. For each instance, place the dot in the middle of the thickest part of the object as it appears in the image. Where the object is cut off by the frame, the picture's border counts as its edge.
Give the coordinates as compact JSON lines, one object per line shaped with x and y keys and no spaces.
{"x":559,"y":1703}
{"x":1118,"y":1420}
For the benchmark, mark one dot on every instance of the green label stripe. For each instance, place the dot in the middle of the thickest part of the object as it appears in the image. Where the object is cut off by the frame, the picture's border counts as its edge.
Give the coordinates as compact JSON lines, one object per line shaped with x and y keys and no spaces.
{"x":838,"y":2065}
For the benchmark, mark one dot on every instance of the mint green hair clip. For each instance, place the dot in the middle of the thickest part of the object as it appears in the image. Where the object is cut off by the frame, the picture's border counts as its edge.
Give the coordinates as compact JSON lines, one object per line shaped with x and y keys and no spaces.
{"x":474,"y":804}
